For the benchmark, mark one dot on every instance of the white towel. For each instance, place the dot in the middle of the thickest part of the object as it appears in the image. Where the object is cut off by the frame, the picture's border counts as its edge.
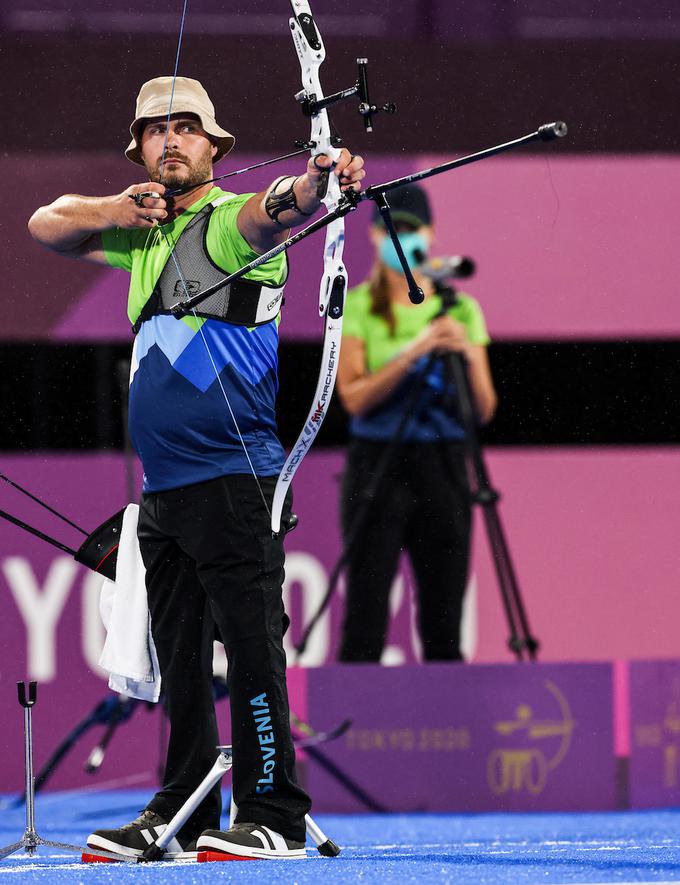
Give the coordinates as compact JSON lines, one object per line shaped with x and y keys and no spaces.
{"x":129,"y":653}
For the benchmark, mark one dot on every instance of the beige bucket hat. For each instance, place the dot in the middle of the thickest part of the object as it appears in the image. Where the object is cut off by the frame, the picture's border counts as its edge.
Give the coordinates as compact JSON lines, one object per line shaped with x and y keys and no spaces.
{"x":189,"y":97}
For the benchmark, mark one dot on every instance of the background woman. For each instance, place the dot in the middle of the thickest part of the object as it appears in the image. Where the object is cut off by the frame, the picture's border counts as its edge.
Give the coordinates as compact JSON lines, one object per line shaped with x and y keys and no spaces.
{"x":422,"y":503}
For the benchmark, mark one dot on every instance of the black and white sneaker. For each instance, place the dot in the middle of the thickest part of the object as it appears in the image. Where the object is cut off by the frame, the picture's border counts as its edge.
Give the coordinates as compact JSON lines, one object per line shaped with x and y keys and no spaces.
{"x":247,"y":842}
{"x":134,"y":838}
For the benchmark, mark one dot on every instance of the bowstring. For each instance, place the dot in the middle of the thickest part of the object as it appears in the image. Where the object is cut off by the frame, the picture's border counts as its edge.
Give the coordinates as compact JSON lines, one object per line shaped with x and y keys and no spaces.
{"x":171,"y":246}
{"x":199,"y":323}
{"x":174,"y":81}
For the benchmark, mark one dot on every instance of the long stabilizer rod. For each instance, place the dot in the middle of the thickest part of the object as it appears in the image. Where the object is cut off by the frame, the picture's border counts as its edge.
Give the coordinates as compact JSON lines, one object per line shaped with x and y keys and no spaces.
{"x":546,"y":132}
{"x":33,"y":531}
{"x":15,"y":485}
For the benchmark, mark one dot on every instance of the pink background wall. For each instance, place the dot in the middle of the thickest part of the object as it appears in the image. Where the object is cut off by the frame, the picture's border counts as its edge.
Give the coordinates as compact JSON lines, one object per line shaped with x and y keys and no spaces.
{"x":567,"y":246}
{"x":593,"y":534}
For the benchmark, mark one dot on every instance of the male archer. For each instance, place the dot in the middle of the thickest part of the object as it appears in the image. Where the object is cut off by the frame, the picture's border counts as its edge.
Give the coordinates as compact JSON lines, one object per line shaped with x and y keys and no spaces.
{"x":202,"y":419}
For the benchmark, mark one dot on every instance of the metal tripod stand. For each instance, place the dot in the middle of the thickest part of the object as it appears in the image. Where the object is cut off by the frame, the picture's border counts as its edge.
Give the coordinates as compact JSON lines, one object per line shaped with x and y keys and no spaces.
{"x":521,"y":640}
{"x":31,"y":841}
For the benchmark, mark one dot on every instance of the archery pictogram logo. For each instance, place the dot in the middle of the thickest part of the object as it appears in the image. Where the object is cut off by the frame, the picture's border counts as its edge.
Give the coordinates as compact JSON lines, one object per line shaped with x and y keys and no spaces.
{"x":661,"y":734}
{"x":536,"y":745}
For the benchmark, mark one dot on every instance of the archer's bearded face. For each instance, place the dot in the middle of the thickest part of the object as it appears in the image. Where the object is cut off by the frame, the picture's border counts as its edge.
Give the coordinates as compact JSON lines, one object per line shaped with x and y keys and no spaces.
{"x":188,"y":151}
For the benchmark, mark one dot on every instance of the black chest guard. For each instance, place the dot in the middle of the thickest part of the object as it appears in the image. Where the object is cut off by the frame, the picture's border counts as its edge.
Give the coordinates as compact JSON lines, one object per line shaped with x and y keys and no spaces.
{"x":243,"y":302}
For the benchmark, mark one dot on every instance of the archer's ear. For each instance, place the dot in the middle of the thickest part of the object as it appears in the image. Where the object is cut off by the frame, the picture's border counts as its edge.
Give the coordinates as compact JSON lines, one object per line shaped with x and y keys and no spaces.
{"x":213,"y":150}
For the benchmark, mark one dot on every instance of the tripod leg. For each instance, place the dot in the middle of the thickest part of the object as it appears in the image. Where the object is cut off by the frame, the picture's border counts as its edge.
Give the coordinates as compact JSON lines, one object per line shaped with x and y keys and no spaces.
{"x":487,"y":498}
{"x":510,"y":591}
{"x":324,"y":845}
{"x":78,"y":849}
{"x":222,"y":764}
{"x":501,"y":574}
{"x":10,"y":849}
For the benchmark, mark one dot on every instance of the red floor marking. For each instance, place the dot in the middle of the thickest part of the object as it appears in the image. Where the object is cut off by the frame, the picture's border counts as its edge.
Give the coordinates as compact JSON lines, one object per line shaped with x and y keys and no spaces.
{"x":210,"y":856}
{"x":97,"y":858}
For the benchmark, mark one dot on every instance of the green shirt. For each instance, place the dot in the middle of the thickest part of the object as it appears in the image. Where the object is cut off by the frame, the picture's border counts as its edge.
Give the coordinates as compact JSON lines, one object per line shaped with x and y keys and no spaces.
{"x":381,"y":346}
{"x":143,"y":253}
{"x":432,"y":420}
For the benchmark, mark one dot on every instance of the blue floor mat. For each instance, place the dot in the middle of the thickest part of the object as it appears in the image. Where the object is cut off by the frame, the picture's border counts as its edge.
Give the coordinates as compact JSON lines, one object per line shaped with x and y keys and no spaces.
{"x":461,"y":848}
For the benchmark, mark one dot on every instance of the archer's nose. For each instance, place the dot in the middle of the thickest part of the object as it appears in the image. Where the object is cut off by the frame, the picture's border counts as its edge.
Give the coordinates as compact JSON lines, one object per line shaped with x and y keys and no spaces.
{"x":174,"y":139}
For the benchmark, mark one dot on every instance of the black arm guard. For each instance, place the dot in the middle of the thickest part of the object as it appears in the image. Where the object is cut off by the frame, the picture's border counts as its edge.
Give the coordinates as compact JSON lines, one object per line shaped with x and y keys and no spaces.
{"x":281,"y":198}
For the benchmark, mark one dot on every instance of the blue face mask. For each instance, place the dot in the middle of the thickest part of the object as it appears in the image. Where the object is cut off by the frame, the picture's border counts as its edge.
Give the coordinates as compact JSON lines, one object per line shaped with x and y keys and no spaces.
{"x":414,"y":246}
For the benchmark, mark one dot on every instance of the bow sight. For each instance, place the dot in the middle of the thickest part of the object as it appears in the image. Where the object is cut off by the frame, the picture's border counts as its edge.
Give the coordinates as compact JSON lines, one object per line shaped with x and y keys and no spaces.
{"x":311,"y":105}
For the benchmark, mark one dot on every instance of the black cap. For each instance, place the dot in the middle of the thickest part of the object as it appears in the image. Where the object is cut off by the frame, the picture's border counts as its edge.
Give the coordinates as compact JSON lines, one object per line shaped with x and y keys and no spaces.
{"x":409,"y":203}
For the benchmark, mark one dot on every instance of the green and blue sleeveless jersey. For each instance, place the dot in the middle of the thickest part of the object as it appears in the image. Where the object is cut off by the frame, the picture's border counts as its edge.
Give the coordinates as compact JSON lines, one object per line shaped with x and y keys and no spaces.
{"x":180,"y":424}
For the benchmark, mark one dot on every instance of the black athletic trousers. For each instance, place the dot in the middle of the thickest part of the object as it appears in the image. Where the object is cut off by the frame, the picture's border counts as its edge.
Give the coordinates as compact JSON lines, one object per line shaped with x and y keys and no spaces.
{"x":423,"y":507}
{"x":211,"y":562}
